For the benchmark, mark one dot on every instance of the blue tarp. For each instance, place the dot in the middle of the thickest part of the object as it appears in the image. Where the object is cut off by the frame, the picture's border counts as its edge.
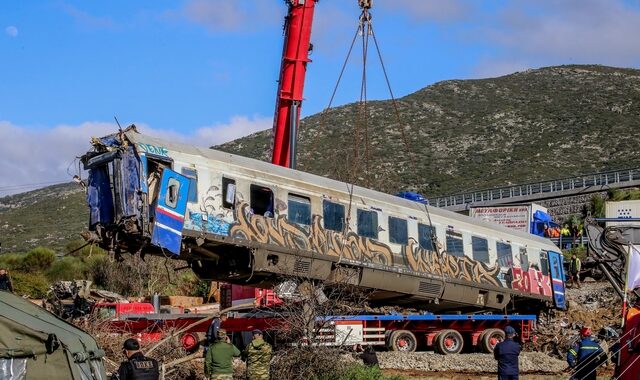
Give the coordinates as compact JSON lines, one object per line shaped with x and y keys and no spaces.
{"x":413,"y":197}
{"x":541,"y":219}
{"x":541,"y":216}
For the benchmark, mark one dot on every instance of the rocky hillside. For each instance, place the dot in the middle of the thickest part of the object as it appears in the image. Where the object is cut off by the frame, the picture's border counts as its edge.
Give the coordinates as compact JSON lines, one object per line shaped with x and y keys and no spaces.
{"x":49,"y":217}
{"x":466,"y":135}
{"x":458,"y":135}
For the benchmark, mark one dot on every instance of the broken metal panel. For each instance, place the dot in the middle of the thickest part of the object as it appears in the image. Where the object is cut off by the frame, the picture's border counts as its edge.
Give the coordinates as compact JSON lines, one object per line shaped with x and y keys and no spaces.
{"x":99,"y":197}
{"x":126,"y":181}
{"x":169,"y":215}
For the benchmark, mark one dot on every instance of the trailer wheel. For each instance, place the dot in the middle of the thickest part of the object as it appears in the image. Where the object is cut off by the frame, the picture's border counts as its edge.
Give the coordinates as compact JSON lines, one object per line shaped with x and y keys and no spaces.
{"x":449,"y":342}
{"x":402,"y":340}
{"x":490,"y":338}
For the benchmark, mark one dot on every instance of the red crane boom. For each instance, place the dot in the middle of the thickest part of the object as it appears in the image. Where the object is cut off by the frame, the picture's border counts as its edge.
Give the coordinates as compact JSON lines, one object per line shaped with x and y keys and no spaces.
{"x":295,"y":56}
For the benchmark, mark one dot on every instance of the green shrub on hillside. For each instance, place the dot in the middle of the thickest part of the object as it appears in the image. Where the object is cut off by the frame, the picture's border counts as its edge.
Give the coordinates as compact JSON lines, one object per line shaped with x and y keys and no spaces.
{"x":11,"y":261}
{"x":78,"y":248}
{"x":67,"y":268}
{"x":98,"y":270}
{"x":34,"y":285}
{"x":38,"y":259}
{"x":189,"y":284}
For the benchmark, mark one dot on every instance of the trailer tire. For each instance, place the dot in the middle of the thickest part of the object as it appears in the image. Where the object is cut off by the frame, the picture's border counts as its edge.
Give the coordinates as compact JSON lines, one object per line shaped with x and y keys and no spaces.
{"x":490,"y":338}
{"x":402,"y":340}
{"x":449,"y":342}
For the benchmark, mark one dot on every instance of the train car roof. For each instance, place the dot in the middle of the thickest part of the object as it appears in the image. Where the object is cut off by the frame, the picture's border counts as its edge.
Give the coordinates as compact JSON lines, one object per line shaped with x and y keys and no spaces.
{"x":320,"y":181}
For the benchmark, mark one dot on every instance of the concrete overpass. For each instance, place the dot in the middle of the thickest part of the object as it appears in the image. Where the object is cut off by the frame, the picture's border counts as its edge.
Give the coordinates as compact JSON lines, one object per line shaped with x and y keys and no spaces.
{"x":545,"y":193}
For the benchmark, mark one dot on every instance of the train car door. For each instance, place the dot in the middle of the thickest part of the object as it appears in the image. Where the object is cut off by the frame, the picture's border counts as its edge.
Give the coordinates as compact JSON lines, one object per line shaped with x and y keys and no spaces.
{"x":556,"y":270}
{"x":170,"y":211}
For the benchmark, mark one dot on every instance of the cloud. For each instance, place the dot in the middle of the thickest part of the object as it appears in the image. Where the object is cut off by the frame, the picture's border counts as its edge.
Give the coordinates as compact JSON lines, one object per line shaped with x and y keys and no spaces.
{"x":87,"y":20}
{"x":230,"y":16}
{"x":32,"y":157}
{"x":491,"y":68}
{"x":11,"y":31}
{"x":239,"y":126}
{"x":429,"y":10}
{"x":544,"y":32}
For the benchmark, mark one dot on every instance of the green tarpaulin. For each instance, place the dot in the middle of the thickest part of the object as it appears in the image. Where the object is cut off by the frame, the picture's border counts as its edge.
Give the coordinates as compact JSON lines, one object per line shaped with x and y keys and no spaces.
{"x":35,"y":344}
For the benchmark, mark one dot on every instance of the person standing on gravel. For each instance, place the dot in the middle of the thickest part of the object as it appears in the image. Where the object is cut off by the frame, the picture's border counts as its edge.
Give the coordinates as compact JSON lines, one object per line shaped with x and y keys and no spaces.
{"x":506,"y":353}
{"x":574,"y":269}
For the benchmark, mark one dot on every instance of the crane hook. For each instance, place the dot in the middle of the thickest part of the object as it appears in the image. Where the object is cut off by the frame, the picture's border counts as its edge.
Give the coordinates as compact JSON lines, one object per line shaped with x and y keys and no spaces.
{"x":365,"y":4}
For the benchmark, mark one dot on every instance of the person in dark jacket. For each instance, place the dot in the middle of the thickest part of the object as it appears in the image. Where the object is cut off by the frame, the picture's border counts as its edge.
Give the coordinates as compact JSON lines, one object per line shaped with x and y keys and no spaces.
{"x":212,"y":331}
{"x":368,"y":355}
{"x":5,"y":281}
{"x":585,"y":356}
{"x":506,"y":353}
{"x":137,"y":366}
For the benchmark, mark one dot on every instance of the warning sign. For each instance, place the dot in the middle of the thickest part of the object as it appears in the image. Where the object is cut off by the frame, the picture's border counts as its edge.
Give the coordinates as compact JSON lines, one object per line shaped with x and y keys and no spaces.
{"x":516,"y":217}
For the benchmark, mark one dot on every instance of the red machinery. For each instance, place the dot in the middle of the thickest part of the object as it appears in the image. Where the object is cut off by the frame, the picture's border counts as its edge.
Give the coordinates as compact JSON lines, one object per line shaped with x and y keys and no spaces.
{"x":295,"y":55}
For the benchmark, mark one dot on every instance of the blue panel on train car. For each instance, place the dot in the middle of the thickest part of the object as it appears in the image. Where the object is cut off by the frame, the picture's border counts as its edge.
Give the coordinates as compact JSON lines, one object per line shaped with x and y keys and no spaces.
{"x":557,"y":279}
{"x":169,"y":215}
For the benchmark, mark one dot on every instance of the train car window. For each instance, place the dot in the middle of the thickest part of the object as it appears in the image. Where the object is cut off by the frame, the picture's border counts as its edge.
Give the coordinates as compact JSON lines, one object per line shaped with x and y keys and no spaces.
{"x":261,"y":200}
{"x":524,"y":259}
{"x":173,"y":189}
{"x":505,"y":255}
{"x":398,"y":232}
{"x":480,"y":249}
{"x":544,"y":263}
{"x":299,"y":209}
{"x":368,"y":223}
{"x":228,"y":193}
{"x":333,"y":216}
{"x":454,"y":244}
{"x":192,"y":174}
{"x":425,"y":236}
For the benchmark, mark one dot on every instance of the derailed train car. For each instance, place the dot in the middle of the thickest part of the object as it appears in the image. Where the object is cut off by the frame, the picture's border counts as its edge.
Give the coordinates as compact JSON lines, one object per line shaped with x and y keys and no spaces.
{"x":245,"y":221}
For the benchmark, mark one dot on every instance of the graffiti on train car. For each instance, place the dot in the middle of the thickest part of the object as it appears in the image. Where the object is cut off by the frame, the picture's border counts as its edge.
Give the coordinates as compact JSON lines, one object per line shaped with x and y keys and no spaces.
{"x":531,"y":281}
{"x":279,"y":231}
{"x":350,"y":246}
{"x":462,"y":268}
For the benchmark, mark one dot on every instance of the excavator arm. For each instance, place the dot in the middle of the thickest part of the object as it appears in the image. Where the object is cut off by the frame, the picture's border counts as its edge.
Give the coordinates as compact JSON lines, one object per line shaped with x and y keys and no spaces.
{"x":608,"y":251}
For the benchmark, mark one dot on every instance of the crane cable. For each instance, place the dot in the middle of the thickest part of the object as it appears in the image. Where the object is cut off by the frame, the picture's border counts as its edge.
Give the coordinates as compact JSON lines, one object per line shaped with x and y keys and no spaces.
{"x":365,"y":29}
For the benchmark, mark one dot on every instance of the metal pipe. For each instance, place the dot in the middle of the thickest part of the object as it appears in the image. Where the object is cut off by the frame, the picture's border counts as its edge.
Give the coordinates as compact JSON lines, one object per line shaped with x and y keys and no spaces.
{"x":293,"y":134}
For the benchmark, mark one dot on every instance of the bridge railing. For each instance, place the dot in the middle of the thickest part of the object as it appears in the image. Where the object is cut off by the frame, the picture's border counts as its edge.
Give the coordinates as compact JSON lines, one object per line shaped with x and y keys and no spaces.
{"x":617,"y":177}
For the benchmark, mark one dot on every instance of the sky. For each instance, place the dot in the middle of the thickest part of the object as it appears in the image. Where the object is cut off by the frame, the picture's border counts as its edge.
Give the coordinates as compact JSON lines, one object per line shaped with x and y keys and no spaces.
{"x":205,"y":71}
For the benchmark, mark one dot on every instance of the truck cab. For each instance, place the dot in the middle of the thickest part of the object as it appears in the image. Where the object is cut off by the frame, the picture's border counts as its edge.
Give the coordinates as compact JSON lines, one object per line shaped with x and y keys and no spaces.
{"x":121,"y":310}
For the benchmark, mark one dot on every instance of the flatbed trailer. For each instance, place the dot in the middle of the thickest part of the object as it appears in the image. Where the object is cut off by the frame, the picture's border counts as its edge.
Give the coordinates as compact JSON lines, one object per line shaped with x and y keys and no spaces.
{"x":445,"y":333}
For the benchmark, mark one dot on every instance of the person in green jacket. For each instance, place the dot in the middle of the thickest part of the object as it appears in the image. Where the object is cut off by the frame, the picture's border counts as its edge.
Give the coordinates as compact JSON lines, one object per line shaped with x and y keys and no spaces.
{"x":258,"y":354}
{"x":218,"y":364}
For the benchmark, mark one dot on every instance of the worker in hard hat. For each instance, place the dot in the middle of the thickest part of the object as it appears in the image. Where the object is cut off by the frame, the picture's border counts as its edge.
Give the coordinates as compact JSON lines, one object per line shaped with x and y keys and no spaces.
{"x":506,"y":353}
{"x":585,"y":356}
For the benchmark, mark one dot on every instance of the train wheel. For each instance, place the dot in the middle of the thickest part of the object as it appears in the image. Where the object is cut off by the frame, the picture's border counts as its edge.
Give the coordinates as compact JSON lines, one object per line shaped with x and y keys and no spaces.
{"x":449,"y":342}
{"x":490,"y":338}
{"x":402,"y":340}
